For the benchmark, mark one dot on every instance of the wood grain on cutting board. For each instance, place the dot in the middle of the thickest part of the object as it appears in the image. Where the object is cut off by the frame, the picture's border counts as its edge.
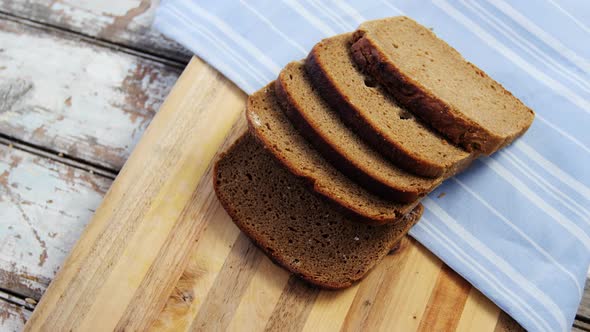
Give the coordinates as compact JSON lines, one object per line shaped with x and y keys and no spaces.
{"x":162,"y":253}
{"x":131,"y":254}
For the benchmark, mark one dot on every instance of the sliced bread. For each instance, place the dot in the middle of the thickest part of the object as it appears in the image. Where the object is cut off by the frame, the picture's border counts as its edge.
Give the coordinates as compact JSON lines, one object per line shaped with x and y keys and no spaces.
{"x":376,"y":117}
{"x":347,"y":152}
{"x":432,"y":80}
{"x":294,"y":227}
{"x":270,"y":125}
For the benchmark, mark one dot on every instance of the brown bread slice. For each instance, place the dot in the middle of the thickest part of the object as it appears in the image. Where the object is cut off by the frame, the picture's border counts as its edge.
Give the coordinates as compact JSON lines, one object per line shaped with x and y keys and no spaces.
{"x":347,"y":152}
{"x":294,"y":227}
{"x":435,"y":82}
{"x":376,"y":117}
{"x":271,"y":126}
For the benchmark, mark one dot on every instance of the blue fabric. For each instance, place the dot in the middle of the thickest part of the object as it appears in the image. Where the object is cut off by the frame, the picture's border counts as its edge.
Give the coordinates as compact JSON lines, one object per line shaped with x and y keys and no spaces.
{"x":515,"y":225}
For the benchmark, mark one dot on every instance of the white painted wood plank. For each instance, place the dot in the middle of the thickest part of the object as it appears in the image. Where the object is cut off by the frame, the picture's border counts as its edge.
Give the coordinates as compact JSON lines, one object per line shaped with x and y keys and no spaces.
{"x":12,"y":317}
{"x":44,"y":206}
{"x":88,"y":102}
{"x":126,"y":22}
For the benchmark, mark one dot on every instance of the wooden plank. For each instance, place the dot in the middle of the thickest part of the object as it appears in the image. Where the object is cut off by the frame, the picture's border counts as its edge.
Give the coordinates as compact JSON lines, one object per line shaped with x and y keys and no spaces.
{"x":581,"y":326}
{"x":125,"y":22}
{"x":410,"y":294}
{"x":584,"y":309}
{"x":329,"y":310}
{"x":265,"y":293}
{"x":56,"y":157}
{"x":448,"y":298}
{"x":75,"y":98}
{"x":12,"y":317}
{"x":128,"y":260}
{"x":479,"y":312}
{"x":205,"y":262}
{"x":293,"y":307}
{"x":44,"y":206}
{"x":236,"y":273}
{"x":507,"y":324}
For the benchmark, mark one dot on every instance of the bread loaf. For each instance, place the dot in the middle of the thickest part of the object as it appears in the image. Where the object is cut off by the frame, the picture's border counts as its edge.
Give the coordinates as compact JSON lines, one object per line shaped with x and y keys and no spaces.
{"x":432,"y":80}
{"x":294,"y":227}
{"x":272,"y":128}
{"x":347,"y":151}
{"x":376,"y":117}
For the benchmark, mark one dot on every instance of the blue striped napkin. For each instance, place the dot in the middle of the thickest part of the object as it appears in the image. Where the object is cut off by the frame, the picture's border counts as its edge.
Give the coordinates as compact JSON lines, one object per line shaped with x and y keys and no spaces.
{"x":516,"y":225}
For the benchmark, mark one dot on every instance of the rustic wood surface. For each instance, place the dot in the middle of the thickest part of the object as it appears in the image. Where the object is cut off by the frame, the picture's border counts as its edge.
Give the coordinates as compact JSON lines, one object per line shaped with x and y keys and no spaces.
{"x":72,"y":97}
{"x":44,"y":206}
{"x":13,"y":313}
{"x":131,"y":255}
{"x":581,"y":325}
{"x":119,"y":32}
{"x":124,"y":22}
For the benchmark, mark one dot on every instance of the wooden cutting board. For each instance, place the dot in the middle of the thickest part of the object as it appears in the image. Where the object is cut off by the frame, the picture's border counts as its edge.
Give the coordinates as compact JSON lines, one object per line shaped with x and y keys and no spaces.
{"x":162,"y":254}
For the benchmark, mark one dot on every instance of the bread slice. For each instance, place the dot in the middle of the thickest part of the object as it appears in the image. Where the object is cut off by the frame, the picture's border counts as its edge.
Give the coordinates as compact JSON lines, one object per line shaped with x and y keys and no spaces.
{"x":294,"y":227}
{"x":347,"y":152}
{"x":436,"y":83}
{"x":376,"y":117}
{"x":271,"y":126}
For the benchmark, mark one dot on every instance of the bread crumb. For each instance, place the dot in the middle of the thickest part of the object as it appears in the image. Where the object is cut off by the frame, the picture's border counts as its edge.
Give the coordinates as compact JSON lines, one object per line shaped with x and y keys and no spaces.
{"x":441,"y":195}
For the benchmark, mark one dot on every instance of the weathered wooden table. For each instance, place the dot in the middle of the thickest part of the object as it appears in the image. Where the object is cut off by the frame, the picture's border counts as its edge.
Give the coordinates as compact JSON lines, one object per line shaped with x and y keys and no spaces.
{"x":79,"y":83}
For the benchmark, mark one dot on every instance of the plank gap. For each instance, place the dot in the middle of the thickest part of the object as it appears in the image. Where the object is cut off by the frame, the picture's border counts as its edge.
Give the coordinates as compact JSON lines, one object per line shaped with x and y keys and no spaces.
{"x":583,"y":318}
{"x":58,"y":157}
{"x":47,"y":27}
{"x":580,"y":326}
{"x":25,"y":302}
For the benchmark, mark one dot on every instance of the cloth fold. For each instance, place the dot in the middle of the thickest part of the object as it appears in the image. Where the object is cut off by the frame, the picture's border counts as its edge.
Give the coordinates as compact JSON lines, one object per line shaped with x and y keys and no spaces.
{"x":515,"y":225}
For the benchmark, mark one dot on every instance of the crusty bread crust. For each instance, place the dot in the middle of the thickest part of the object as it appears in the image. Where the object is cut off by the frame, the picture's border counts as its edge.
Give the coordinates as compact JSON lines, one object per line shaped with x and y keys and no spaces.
{"x":377,"y":134}
{"x":411,"y":94}
{"x":394,"y":152}
{"x":359,"y":170}
{"x":373,"y":211}
{"x":444,"y":117}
